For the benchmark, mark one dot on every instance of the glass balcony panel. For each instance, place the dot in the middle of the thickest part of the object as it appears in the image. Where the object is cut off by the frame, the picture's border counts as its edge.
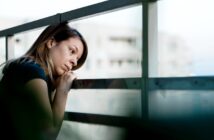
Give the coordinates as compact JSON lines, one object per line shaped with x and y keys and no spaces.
{"x":82,"y":131}
{"x":115,"y":44}
{"x":185,"y":38}
{"x":106,"y":102}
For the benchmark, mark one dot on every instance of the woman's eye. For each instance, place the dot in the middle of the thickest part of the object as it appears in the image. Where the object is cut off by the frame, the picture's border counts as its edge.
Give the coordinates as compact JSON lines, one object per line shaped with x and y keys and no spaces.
{"x":71,"y":50}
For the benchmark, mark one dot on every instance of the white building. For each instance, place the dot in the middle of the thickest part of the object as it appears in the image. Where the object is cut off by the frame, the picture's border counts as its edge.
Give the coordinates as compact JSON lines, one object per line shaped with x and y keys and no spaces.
{"x":174,"y":56}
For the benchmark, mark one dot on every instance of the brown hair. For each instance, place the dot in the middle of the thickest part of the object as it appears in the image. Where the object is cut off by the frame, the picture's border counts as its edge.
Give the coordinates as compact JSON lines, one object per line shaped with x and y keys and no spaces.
{"x":39,"y":50}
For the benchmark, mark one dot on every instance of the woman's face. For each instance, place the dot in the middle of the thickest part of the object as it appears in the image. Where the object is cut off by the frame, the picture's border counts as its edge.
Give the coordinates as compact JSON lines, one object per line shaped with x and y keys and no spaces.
{"x":65,"y":54}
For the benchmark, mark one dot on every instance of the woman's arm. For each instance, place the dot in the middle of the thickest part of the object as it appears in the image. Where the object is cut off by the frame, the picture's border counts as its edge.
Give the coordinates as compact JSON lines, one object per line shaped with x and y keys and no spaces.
{"x":52,"y":115}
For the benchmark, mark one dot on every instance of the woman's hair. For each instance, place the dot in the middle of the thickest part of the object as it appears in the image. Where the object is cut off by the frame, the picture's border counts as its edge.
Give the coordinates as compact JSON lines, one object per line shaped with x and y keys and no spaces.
{"x":40,"y":52}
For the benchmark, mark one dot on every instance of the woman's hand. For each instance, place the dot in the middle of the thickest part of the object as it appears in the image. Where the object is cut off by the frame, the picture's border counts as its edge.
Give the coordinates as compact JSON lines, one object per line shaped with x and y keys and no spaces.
{"x":64,"y":82}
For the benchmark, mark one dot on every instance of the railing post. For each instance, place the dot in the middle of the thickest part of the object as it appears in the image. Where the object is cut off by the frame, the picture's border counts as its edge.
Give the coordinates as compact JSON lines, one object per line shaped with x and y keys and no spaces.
{"x":150,"y":58}
{"x":144,"y":89}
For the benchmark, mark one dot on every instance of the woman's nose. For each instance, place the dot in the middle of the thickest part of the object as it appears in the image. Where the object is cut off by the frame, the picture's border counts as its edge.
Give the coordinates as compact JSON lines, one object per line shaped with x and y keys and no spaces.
{"x":73,"y":61}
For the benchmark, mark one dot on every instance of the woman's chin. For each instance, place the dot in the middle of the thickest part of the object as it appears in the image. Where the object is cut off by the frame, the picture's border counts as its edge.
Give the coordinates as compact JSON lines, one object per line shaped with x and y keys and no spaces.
{"x":60,"y":72}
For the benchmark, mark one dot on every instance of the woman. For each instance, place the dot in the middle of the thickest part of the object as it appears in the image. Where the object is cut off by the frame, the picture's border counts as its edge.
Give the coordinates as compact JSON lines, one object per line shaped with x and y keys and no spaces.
{"x":34,"y":87}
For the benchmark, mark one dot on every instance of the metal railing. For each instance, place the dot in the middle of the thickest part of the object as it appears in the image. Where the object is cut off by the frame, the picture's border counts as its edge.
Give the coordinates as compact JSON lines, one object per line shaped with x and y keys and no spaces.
{"x":144,"y":83}
{"x":118,"y":83}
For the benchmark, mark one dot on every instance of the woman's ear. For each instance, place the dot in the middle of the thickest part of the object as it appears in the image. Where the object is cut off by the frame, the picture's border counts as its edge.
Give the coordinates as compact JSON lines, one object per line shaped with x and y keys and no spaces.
{"x":51,"y":42}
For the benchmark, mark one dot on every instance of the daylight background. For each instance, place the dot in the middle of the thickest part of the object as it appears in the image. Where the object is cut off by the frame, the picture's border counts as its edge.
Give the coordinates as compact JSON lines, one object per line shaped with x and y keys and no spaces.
{"x":184,"y":48}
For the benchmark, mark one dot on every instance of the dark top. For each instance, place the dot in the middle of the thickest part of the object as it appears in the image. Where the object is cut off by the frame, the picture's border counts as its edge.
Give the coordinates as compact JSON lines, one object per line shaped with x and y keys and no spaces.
{"x":20,"y":110}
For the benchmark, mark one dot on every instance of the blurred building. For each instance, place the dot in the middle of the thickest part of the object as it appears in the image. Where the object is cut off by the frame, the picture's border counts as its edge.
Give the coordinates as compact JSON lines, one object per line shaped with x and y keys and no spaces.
{"x":174,"y":56}
{"x":114,"y":51}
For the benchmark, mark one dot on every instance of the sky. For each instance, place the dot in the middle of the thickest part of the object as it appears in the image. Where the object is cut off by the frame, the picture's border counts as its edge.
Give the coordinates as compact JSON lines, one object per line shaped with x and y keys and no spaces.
{"x":36,"y":9}
{"x":193,"y":21}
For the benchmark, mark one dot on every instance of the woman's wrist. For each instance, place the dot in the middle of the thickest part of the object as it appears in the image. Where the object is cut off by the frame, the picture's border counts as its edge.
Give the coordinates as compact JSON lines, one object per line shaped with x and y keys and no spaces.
{"x":61,"y":92}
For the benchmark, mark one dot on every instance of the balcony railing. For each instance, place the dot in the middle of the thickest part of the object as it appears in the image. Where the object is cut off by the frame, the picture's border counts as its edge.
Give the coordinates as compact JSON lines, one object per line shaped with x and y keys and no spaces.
{"x":145,"y":83}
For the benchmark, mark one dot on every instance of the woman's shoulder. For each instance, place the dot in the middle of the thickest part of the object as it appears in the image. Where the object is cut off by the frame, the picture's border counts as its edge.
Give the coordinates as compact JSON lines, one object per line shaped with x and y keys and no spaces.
{"x":27,"y":63}
{"x":24,"y":67}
